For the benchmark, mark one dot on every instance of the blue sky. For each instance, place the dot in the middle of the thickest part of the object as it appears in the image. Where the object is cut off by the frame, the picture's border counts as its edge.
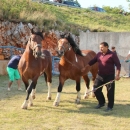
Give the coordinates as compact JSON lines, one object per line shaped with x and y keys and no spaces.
{"x":100,"y":3}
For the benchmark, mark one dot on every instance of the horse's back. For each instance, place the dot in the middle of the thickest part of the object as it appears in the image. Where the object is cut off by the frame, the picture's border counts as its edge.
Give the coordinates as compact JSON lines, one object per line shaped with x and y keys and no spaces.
{"x":88,"y":52}
{"x":47,"y":56}
{"x":47,"y":60}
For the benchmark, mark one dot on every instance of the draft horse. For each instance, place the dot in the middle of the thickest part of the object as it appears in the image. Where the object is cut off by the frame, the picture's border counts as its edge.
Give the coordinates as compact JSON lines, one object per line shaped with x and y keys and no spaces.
{"x":71,"y":62}
{"x":34,"y":62}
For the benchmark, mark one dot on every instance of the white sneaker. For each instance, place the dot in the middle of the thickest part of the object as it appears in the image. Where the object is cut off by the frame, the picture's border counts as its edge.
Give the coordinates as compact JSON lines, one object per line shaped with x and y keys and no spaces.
{"x":8,"y":89}
{"x":19,"y":89}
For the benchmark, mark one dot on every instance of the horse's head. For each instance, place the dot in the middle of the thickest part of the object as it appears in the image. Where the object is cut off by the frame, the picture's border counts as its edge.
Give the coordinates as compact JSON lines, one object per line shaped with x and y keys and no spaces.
{"x":35,"y":43}
{"x":63,"y":46}
{"x":65,"y":43}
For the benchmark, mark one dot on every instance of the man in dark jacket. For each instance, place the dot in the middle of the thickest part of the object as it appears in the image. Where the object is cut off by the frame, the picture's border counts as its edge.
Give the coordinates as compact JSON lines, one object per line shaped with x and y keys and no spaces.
{"x":107,"y":60}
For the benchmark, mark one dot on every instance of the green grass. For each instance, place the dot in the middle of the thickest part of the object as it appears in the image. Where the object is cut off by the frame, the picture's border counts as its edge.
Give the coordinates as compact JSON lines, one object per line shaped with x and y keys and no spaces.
{"x":68,"y":115}
{"x":62,"y":18}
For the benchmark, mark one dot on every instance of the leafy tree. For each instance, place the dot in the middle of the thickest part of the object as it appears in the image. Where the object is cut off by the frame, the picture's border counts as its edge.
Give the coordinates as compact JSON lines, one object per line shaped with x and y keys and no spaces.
{"x":113,"y":10}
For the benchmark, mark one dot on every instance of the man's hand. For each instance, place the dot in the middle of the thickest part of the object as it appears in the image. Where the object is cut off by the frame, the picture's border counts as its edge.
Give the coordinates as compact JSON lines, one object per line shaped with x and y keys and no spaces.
{"x":84,"y":68}
{"x":117,"y":77}
{"x":127,"y":60}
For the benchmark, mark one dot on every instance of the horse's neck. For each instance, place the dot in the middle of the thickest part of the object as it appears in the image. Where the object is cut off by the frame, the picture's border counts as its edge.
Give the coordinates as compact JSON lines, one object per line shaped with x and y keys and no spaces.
{"x":29,"y":53}
{"x":70,"y":54}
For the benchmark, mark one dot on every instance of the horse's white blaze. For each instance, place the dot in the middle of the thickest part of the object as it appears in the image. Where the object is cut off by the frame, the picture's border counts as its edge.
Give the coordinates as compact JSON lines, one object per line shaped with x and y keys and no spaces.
{"x":25,"y":104}
{"x":58,"y":97}
{"x":49,"y":89}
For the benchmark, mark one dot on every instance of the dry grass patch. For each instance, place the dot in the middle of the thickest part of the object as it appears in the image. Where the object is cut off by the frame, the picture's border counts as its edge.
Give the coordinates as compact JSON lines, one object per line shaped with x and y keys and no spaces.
{"x":68,"y":116}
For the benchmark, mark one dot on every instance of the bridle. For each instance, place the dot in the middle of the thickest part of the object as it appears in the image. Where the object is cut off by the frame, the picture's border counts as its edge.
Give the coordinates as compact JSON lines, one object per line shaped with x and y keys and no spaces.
{"x":33,"y":48}
{"x":64,"y":48}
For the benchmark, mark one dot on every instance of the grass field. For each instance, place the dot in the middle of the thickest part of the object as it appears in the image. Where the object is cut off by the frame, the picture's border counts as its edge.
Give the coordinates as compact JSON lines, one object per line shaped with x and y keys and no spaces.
{"x":68,"y":115}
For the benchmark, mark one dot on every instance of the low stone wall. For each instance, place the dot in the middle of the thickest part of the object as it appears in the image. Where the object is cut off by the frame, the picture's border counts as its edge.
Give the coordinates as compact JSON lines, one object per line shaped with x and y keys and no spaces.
{"x":3,"y":65}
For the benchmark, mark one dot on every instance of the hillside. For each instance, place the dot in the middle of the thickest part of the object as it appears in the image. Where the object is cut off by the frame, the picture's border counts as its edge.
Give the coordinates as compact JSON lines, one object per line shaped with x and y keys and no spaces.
{"x":62,"y":18}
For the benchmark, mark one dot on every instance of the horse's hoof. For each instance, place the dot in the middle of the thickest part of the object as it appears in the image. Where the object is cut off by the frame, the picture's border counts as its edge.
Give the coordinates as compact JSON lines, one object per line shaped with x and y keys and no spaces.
{"x":85,"y":97}
{"x":24,"y":107}
{"x":30,"y":104}
{"x":93,"y":95}
{"x":33,"y":97}
{"x":56,"y":104}
{"x":77,"y":101}
{"x":48,"y":98}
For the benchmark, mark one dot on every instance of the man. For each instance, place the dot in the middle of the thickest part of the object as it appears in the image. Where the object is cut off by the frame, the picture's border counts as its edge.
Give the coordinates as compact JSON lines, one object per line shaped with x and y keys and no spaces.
{"x":107,"y":60}
{"x":113,"y":49}
{"x":13,"y":71}
{"x":127,"y":57}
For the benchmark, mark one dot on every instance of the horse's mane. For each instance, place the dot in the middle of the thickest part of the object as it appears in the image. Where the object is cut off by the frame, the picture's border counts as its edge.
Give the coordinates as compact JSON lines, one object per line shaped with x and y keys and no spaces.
{"x":72,"y":43}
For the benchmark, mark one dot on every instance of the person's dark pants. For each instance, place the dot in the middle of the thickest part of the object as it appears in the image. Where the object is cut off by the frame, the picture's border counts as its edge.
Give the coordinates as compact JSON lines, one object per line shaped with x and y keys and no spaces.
{"x":100,"y":80}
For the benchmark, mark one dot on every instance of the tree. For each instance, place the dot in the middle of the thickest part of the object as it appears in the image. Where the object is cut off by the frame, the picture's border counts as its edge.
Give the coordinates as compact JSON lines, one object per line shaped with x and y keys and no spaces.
{"x":113,"y":10}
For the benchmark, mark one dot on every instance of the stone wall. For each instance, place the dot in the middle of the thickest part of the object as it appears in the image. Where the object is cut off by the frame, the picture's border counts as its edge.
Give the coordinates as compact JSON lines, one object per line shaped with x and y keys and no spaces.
{"x":3,"y":65}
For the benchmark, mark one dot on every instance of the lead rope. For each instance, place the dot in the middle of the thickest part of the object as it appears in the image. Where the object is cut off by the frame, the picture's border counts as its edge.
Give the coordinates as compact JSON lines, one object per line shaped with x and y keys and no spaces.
{"x":104,"y":85}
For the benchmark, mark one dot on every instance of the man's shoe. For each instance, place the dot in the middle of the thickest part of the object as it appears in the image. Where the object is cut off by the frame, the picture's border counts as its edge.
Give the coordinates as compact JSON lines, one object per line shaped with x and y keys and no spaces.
{"x":8,"y":89}
{"x":20,"y":89}
{"x":99,"y":106}
{"x":108,"y":109}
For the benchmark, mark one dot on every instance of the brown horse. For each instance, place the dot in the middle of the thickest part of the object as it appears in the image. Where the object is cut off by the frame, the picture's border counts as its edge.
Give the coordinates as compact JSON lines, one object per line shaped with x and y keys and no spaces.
{"x":70,"y":65}
{"x":33,"y":63}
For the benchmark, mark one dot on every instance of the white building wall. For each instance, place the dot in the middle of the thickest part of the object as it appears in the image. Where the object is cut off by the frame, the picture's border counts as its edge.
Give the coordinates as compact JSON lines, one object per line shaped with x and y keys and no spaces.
{"x":121,"y":40}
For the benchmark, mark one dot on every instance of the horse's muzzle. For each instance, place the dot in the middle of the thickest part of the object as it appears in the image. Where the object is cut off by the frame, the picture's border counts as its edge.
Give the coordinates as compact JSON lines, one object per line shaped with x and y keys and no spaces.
{"x":60,"y":53}
{"x":37,"y":54}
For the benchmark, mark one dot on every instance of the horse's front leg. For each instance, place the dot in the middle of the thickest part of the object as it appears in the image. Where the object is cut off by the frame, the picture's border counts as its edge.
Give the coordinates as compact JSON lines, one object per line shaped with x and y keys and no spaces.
{"x":78,"y":98}
{"x":57,"y":99}
{"x":29,"y":98}
{"x":25,"y":81}
{"x":87,"y":82}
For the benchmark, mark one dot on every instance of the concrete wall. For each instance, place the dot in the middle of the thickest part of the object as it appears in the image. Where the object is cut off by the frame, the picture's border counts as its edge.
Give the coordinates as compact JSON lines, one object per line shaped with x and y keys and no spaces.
{"x":121,"y":40}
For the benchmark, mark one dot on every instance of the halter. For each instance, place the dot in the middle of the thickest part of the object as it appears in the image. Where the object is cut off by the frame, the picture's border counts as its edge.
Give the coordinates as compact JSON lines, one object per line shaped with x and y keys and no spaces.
{"x":38,"y":45}
{"x":33,"y":48}
{"x":65,"y":49}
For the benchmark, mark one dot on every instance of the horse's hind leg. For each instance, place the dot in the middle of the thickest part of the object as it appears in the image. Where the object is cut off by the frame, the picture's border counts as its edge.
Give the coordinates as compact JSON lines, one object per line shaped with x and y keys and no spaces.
{"x":48,"y":79}
{"x":78,"y":91}
{"x":25,"y":81}
{"x":94,"y":72}
{"x":87,"y":82}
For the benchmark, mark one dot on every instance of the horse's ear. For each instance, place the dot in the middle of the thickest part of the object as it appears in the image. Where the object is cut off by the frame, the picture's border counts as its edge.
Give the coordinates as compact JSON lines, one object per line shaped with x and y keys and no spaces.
{"x":43,"y":31}
{"x":32,"y":31}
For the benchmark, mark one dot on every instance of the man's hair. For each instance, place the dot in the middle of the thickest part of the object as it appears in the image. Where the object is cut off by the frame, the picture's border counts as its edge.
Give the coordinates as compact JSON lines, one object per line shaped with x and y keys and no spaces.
{"x":112,"y":47}
{"x":105,"y":44}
